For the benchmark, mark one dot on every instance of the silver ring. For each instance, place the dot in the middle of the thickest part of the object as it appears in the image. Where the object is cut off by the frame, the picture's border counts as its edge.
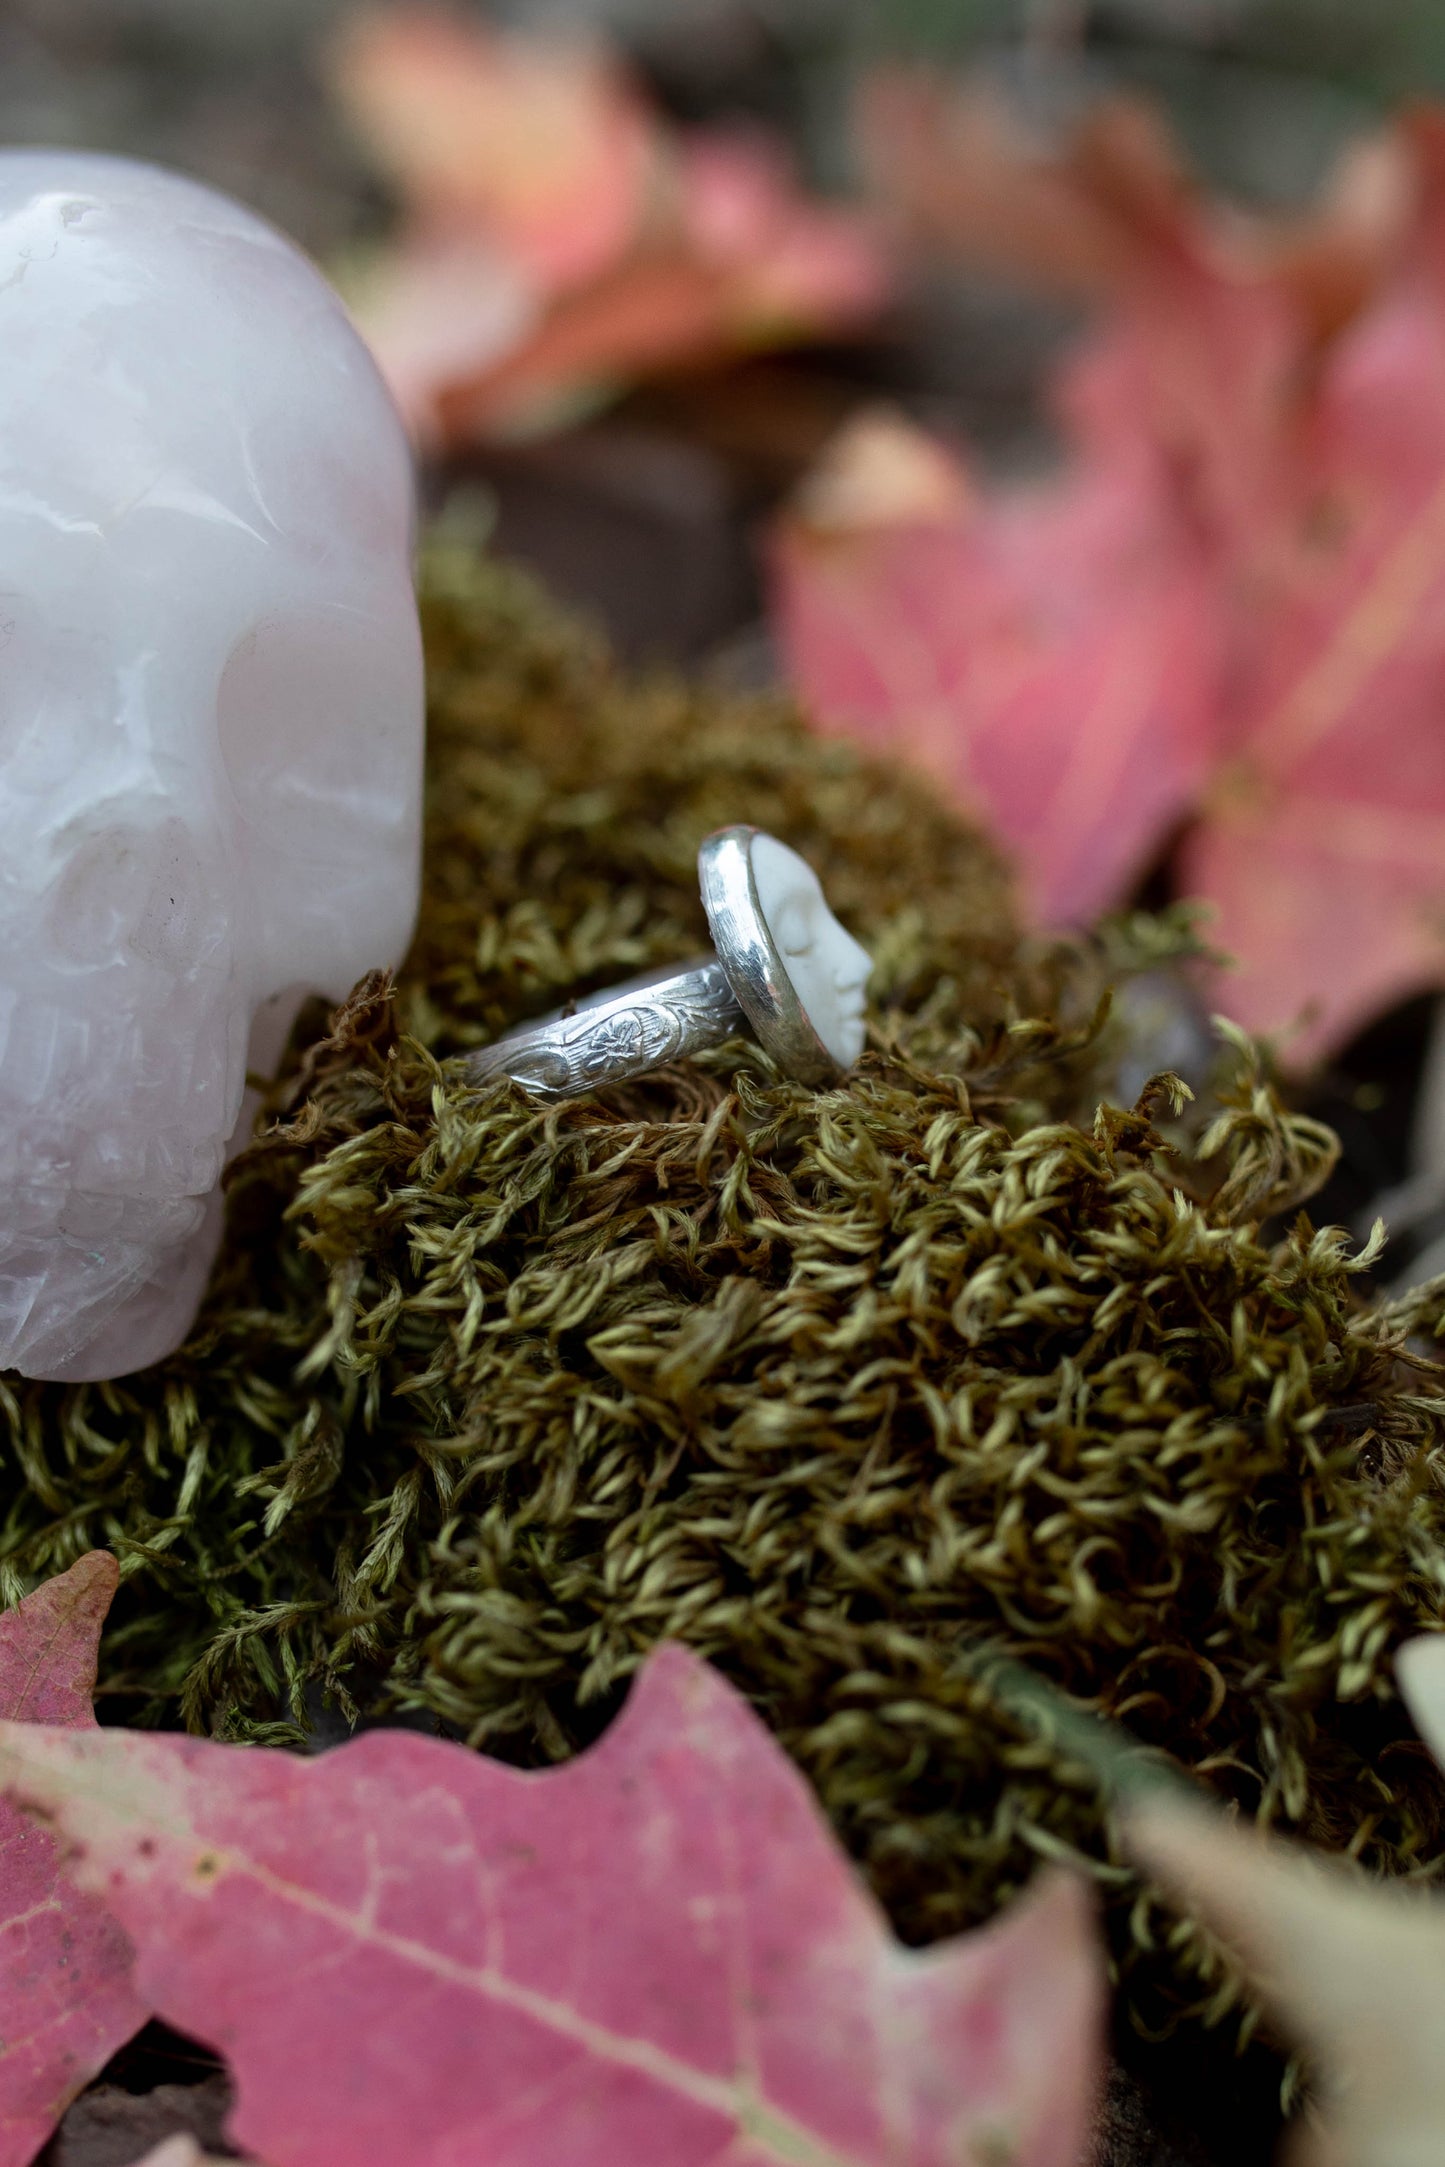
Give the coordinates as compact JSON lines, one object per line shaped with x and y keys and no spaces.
{"x":776,"y":942}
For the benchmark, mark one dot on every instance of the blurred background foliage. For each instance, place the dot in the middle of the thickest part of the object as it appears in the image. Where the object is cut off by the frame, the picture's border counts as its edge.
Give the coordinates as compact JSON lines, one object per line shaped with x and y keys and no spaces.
{"x":1262,"y":92}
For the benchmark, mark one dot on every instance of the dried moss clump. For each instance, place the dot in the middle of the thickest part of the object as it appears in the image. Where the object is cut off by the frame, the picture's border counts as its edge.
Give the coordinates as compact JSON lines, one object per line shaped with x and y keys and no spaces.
{"x":837,"y":1388}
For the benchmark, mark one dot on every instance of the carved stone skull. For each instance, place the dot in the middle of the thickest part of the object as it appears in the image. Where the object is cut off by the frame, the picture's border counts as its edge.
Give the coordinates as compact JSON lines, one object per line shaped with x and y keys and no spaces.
{"x":210,"y":723}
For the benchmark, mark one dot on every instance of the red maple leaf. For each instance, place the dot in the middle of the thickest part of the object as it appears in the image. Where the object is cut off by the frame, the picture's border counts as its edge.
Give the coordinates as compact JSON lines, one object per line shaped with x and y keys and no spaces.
{"x":1051,"y":653}
{"x":412,"y":1956}
{"x":1323,"y":843}
{"x":560,"y":239}
{"x":66,"y":1997}
{"x":1228,"y":610}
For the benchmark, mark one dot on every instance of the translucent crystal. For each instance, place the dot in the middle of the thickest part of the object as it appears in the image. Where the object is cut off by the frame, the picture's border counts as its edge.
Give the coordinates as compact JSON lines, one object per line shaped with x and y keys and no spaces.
{"x":210,"y":723}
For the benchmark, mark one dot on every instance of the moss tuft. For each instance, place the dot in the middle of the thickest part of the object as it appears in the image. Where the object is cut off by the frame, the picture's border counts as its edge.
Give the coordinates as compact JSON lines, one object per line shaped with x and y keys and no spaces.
{"x":840,"y":1388}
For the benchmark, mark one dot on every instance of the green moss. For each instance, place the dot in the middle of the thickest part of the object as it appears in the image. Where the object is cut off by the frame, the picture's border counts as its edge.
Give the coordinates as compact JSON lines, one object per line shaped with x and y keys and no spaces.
{"x":840,"y":1388}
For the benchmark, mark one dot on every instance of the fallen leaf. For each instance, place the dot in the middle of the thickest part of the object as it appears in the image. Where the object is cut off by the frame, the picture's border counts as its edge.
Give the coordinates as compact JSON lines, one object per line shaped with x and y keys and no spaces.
{"x":1051,"y":653}
{"x":542,"y":152}
{"x":1352,"y":1970}
{"x":1058,"y":652}
{"x":1323,"y":843}
{"x":560,"y":239}
{"x":794,"y":266}
{"x":657,"y":1952}
{"x":959,"y":169}
{"x":1225,"y":617}
{"x":1200,"y":352}
{"x":682,"y":303}
{"x":66,"y":1998}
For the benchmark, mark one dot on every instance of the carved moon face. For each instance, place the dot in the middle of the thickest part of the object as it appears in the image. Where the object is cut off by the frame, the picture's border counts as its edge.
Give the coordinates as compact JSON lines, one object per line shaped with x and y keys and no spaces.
{"x":829,"y":969}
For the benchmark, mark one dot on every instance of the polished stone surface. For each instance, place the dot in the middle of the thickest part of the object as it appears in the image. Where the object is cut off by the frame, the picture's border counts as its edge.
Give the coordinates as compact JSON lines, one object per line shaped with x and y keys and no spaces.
{"x":210,"y":723}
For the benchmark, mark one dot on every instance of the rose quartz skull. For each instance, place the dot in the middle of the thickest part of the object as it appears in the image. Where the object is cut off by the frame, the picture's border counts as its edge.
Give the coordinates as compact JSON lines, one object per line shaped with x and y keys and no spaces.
{"x":210,"y":723}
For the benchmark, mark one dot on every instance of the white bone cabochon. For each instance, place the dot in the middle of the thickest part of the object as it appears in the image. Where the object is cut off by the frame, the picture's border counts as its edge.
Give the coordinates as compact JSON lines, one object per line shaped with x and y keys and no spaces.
{"x":210,"y":724}
{"x":829,"y":969}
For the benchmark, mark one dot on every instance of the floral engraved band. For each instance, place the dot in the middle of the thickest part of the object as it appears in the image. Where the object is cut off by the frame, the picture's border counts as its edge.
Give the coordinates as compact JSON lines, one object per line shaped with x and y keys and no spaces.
{"x":783,"y":966}
{"x":623,"y":1032}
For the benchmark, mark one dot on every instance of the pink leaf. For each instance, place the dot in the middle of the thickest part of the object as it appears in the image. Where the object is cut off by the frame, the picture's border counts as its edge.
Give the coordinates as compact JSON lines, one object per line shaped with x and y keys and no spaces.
{"x":415,"y":1957}
{"x":794,"y":265}
{"x":1050,"y":653}
{"x":954,"y":164}
{"x":561,"y":238}
{"x":66,"y":1998}
{"x":543,"y":153}
{"x":1231,"y":603}
{"x":1323,"y":848}
{"x":667,"y":309}
{"x":1056,"y":654}
{"x":1205,"y":338}
{"x":958,"y":168}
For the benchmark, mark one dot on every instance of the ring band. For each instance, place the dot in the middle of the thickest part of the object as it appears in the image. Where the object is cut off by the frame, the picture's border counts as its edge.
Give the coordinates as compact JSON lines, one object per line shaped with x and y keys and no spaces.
{"x":623,"y":1032}
{"x":774,"y":936}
